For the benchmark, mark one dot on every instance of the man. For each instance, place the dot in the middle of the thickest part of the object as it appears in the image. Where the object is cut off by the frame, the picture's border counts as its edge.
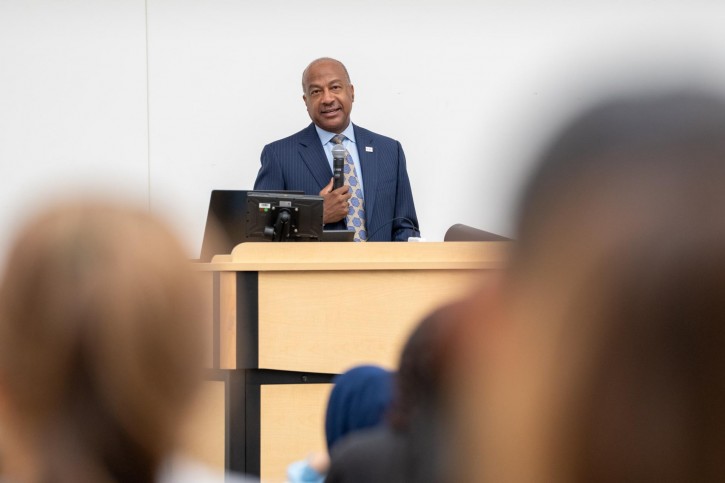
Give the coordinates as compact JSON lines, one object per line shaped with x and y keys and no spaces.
{"x":376,"y":201}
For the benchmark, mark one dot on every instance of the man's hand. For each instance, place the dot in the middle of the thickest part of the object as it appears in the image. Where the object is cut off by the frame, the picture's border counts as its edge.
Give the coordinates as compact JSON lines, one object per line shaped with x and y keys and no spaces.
{"x":335,"y":202}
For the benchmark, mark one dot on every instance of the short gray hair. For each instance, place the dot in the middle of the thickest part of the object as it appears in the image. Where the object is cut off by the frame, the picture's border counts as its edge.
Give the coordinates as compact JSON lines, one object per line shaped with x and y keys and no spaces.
{"x":324,"y":59}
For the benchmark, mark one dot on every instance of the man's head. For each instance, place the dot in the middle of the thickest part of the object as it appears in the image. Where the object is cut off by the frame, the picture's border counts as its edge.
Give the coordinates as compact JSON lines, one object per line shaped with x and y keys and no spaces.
{"x":328,"y":94}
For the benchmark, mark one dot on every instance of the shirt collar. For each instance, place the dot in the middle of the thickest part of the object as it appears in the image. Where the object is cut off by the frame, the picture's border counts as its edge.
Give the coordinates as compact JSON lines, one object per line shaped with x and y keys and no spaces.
{"x":326,"y":136}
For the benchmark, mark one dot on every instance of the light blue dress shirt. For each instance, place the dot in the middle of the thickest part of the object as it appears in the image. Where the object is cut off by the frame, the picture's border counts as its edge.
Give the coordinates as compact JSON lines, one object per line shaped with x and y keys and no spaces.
{"x":350,"y":145}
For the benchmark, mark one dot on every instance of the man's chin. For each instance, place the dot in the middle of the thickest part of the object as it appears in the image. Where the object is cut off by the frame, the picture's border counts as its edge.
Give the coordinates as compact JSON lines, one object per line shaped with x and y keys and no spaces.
{"x":332,"y":126}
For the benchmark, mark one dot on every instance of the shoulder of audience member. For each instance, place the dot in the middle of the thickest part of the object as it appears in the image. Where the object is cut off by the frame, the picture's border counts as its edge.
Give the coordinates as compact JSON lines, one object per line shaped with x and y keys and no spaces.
{"x":377,"y":442}
{"x":181,"y":469}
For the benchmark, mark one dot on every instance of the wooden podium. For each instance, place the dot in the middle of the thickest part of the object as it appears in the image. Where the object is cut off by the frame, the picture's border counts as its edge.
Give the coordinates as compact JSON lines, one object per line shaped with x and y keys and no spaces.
{"x":287,"y":317}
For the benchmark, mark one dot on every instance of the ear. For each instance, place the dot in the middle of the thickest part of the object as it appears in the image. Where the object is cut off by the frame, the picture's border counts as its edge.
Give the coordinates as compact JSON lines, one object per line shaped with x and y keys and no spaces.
{"x":352,"y":92}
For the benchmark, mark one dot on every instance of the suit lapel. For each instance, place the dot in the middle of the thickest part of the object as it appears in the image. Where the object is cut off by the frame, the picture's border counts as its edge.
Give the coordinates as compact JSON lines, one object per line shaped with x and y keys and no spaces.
{"x":369,"y":166}
{"x":312,"y":154}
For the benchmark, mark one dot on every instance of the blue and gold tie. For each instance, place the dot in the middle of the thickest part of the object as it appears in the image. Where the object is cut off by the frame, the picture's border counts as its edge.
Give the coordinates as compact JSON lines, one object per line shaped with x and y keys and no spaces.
{"x":356,"y":211}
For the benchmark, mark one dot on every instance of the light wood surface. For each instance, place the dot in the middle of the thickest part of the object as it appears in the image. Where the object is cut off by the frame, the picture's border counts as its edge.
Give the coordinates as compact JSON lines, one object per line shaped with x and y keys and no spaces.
{"x":228,"y":320}
{"x":324,"y":307}
{"x":202,"y":435}
{"x":359,"y":256}
{"x":206,"y":280}
{"x":328,"y":321}
{"x":306,"y":320}
{"x":293,"y":425}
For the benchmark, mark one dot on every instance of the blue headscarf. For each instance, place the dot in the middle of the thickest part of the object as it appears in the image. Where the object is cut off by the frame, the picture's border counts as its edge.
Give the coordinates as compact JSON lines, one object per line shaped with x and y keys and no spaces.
{"x":360,"y":398}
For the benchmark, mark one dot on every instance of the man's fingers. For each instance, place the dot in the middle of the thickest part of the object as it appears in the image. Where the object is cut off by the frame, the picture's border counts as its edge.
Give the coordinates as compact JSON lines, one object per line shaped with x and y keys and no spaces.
{"x":327,"y":188}
{"x":343,"y":190}
{"x":338,"y":202}
{"x":345,"y":195}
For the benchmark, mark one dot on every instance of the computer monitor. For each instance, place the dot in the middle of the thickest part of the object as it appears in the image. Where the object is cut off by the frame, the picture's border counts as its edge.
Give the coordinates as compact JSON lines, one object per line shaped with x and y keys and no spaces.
{"x":282,"y":217}
{"x":226,"y":222}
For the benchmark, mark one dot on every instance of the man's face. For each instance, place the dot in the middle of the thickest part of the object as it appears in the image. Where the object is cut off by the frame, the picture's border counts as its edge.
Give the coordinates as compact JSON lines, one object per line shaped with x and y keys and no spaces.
{"x":328,"y":95}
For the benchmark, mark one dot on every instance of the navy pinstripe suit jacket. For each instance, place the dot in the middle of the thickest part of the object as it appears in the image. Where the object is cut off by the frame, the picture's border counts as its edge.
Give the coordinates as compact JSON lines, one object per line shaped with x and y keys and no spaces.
{"x":299,"y":163}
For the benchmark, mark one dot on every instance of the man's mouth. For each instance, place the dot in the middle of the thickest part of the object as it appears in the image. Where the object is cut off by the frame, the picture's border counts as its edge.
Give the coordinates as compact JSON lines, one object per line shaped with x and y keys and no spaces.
{"x":331,"y":111}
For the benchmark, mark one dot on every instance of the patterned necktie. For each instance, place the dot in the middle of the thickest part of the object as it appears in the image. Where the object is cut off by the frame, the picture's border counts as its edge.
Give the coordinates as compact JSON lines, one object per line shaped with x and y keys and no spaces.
{"x":356,"y":210}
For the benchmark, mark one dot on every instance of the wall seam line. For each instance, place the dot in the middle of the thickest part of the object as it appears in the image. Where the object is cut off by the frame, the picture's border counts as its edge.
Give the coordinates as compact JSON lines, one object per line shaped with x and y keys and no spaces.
{"x":148,"y":108}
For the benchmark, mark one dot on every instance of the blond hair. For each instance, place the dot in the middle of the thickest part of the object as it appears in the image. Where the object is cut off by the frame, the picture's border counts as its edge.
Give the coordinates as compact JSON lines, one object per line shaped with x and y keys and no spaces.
{"x":100,"y":342}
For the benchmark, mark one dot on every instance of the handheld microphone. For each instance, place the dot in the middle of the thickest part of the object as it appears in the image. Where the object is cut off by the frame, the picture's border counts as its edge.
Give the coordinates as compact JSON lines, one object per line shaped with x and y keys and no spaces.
{"x":338,"y":163}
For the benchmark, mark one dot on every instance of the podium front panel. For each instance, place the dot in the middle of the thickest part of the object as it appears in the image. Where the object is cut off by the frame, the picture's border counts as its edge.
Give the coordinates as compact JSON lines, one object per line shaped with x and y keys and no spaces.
{"x":328,"y":321}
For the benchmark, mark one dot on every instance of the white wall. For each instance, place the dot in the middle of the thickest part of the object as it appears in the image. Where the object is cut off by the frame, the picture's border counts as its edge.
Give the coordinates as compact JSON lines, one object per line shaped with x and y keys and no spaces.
{"x":165,"y":100}
{"x":72,"y":102}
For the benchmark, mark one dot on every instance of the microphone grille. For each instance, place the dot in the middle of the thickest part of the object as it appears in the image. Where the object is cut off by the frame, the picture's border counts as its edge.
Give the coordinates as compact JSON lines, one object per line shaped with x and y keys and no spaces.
{"x":338,"y":151}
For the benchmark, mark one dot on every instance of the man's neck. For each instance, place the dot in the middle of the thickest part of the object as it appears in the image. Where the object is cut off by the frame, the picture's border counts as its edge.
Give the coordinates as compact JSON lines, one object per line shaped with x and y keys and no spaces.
{"x":326,"y":135}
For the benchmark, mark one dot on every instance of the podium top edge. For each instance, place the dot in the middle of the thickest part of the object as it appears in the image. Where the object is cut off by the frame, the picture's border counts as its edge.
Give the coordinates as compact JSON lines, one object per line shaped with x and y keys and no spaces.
{"x":360,"y":256}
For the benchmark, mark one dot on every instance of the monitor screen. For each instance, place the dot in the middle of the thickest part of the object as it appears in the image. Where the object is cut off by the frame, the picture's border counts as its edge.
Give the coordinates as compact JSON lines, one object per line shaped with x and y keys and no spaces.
{"x":282,"y":217}
{"x":225,"y":221}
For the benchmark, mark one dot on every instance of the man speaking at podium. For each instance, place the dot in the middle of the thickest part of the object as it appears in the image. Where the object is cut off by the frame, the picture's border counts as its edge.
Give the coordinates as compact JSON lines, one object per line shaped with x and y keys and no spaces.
{"x":376,"y":200}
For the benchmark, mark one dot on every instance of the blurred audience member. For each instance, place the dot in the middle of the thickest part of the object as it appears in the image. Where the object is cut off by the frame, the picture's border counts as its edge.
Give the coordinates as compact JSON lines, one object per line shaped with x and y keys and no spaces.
{"x":412,"y":448}
{"x":603,"y":359}
{"x":359,"y":399}
{"x":100,"y":346}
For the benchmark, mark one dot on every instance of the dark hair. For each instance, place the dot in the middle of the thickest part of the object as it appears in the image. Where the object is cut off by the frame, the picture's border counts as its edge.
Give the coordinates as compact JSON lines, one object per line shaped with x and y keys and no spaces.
{"x":424,"y":366}
{"x":646,"y":318}
{"x":641,"y":150}
{"x":650,"y":406}
{"x":359,"y":399}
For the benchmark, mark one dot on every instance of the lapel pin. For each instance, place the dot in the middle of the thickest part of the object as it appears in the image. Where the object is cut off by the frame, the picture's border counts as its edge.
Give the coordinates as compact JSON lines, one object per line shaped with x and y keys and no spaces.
{"x":368,"y":149}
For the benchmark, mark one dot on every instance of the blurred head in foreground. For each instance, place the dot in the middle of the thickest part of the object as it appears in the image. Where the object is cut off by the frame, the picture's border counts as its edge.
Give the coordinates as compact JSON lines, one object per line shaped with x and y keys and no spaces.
{"x":100,"y":347}
{"x":421,"y":407}
{"x":413,"y":447}
{"x":359,"y":399}
{"x":603,"y":359}
{"x":425,"y":367}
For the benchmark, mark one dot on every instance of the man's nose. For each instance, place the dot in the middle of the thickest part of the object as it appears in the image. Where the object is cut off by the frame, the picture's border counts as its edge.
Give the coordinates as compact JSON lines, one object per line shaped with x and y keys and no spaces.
{"x":327,"y":96}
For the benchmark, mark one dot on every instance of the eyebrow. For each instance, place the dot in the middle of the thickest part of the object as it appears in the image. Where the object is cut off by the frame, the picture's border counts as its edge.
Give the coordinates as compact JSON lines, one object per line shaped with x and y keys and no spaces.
{"x":333,"y":81}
